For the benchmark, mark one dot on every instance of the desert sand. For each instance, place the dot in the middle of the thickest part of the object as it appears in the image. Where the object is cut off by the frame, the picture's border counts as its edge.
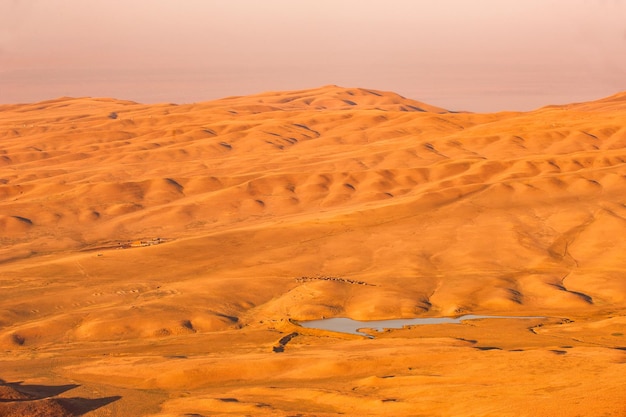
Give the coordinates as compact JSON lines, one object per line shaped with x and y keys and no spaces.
{"x":155,"y":259}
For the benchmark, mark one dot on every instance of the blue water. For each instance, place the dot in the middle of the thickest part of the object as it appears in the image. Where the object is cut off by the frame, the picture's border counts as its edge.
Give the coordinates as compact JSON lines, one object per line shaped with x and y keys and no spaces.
{"x":345,"y":325}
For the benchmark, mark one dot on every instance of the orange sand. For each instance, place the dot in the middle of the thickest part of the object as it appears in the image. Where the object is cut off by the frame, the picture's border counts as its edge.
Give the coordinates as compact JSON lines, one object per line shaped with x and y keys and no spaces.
{"x":439,"y":213}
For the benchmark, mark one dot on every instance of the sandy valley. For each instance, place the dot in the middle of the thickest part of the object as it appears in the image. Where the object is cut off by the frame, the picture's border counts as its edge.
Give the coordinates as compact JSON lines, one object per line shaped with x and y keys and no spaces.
{"x":155,"y":260}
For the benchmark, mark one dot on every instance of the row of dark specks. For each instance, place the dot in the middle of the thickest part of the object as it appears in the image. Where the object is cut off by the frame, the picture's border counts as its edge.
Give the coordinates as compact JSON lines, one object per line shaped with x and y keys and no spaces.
{"x":336,"y":279}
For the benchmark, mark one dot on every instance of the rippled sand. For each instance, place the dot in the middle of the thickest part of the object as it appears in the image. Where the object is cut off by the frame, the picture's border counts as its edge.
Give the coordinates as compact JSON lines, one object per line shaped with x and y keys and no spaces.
{"x":153,"y":257}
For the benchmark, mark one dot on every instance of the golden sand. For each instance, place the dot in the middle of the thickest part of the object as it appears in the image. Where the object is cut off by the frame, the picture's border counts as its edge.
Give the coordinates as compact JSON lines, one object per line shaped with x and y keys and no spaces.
{"x":155,"y":257}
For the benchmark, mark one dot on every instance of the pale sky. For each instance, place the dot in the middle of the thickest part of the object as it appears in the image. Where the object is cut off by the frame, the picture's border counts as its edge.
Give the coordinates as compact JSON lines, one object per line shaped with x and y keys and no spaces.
{"x":477,"y":55}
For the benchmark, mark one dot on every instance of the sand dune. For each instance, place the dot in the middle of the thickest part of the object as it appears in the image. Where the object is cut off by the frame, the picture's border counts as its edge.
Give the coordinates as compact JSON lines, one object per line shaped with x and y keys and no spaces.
{"x":159,"y":253}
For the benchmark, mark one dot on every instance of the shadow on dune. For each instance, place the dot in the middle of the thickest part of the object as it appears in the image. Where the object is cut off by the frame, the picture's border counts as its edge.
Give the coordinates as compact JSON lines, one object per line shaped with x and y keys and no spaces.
{"x":79,"y":406}
{"x":38,"y":391}
{"x":42,"y":400}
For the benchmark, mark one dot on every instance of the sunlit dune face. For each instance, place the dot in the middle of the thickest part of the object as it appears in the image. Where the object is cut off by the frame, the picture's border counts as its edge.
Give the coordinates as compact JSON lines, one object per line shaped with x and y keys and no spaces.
{"x":156,"y":259}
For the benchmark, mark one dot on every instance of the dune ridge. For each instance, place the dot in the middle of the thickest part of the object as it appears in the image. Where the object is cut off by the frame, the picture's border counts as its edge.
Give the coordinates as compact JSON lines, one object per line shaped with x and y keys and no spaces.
{"x":141,"y":244}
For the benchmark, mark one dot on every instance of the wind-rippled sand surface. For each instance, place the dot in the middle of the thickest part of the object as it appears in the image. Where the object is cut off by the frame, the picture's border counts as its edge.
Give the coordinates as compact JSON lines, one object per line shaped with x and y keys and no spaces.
{"x":155,"y":258}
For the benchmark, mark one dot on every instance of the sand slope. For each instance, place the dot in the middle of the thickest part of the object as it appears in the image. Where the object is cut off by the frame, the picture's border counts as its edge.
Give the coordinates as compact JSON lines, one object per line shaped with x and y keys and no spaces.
{"x":158,"y":252}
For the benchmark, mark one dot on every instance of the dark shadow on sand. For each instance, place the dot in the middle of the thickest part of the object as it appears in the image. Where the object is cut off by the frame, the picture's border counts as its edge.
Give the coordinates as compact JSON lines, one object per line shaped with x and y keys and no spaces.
{"x":76,"y":406}
{"x":80,"y":406}
{"x":38,"y":391}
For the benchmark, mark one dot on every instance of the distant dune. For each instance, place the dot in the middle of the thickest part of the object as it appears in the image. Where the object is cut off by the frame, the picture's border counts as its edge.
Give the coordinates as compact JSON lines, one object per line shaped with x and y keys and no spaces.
{"x":154,"y":255}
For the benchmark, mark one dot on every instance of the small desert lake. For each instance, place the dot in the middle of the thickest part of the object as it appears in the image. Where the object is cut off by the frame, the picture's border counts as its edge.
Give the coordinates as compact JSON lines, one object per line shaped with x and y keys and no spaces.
{"x":346,"y":325}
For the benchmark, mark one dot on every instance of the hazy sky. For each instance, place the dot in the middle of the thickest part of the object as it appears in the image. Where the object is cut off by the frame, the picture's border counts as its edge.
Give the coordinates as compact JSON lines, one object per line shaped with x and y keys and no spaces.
{"x":479,"y":55}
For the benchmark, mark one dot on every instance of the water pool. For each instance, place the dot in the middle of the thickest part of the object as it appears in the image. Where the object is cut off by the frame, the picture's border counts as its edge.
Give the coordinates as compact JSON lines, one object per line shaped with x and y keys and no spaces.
{"x":345,"y":325}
